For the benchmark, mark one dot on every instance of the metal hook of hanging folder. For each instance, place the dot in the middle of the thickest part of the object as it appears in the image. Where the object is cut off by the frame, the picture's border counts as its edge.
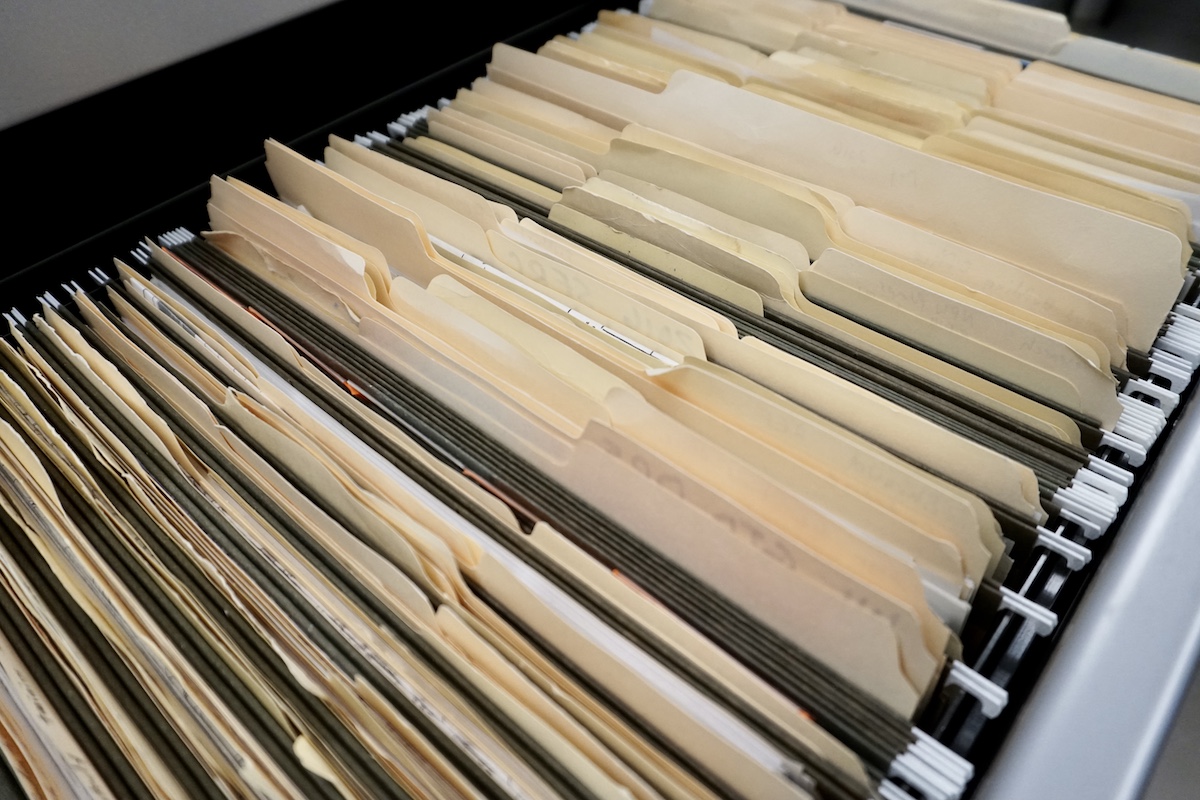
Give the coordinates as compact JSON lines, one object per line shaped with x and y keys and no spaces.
{"x":1044,"y":620}
{"x":992,"y":698}
{"x":1076,"y":555}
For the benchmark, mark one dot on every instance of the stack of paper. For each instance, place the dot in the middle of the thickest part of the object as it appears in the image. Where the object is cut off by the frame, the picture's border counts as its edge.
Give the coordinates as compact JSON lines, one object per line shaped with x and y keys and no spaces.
{"x":672,"y":413}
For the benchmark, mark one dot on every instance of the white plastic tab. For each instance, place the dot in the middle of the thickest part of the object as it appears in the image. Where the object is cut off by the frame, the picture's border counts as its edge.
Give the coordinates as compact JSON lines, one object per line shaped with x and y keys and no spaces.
{"x":1136,"y":432}
{"x":1180,"y":346}
{"x":890,"y":791}
{"x":1135,"y":412}
{"x":1076,"y":555}
{"x":1077,"y":500}
{"x":1183,"y":332}
{"x":992,"y":699}
{"x":1181,"y":327}
{"x":1142,"y":425}
{"x":1132,"y":450}
{"x":1152,"y":415}
{"x":1185,"y":310}
{"x":1044,"y":620}
{"x":1090,"y":529}
{"x":1186,"y":324}
{"x":1104,"y":504}
{"x":931,"y":748}
{"x":1110,"y":471}
{"x":1069,"y":501}
{"x":1118,"y":492}
{"x":1168,"y":399}
{"x":1173,"y":361}
{"x":923,"y":778}
{"x":1174,"y":370}
{"x":1143,"y":414}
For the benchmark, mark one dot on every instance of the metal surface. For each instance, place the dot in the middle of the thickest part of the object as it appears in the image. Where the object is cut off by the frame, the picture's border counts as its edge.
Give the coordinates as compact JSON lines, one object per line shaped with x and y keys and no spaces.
{"x":1095,"y":723}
